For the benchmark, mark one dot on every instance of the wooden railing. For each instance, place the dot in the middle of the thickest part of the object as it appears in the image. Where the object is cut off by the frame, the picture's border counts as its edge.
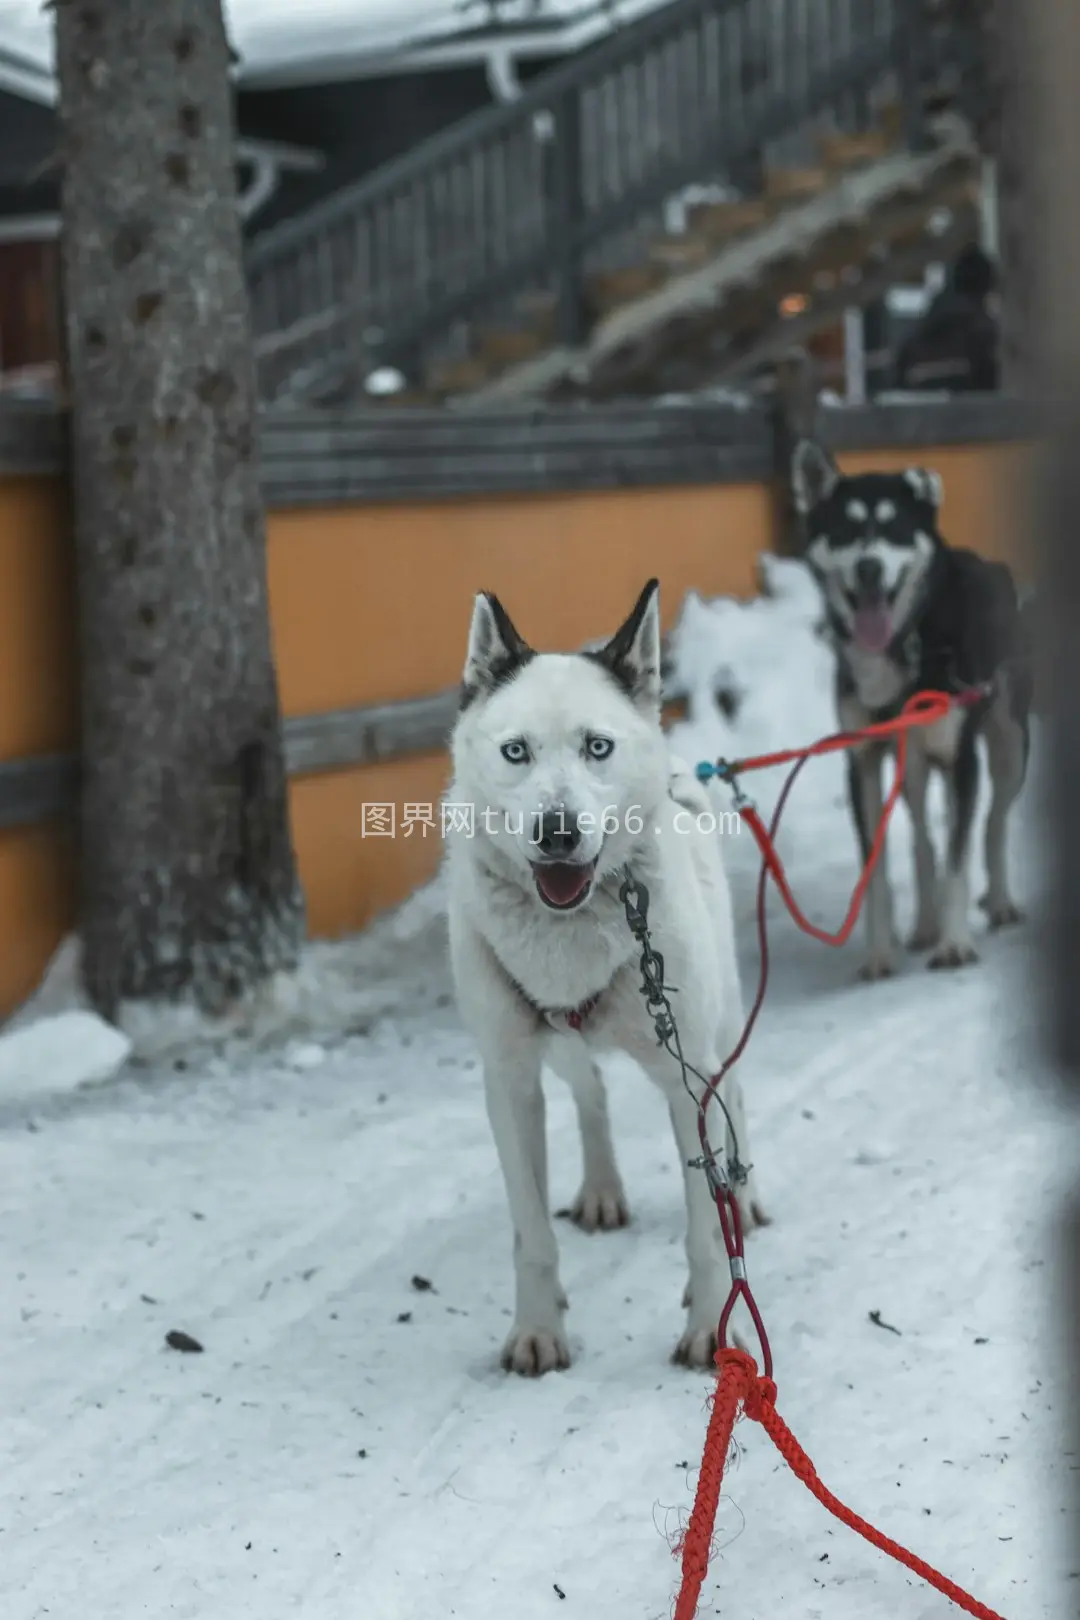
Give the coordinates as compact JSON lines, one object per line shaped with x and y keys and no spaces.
{"x":533,"y":195}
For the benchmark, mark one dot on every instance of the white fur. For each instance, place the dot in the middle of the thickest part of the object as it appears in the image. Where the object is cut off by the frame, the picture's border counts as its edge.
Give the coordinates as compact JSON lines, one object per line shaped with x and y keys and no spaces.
{"x":501,"y":934}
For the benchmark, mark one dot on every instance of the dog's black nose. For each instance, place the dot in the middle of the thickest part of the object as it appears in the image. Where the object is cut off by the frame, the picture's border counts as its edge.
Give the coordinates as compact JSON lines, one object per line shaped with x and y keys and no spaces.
{"x":869,"y":574}
{"x":555,"y":834}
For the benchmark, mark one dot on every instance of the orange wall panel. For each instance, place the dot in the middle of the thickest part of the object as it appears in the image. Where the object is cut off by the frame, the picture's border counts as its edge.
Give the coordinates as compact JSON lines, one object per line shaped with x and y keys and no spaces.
{"x":38,"y":709}
{"x":372,"y":604}
{"x":37,"y":906}
{"x":350,"y":874}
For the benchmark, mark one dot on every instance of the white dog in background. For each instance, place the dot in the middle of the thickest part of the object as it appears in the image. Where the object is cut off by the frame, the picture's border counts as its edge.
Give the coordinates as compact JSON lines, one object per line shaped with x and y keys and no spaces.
{"x":563,"y":780}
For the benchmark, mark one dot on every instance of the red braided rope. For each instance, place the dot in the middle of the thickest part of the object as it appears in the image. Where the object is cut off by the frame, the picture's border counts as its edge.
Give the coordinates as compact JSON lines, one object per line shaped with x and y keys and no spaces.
{"x":740,"y":1386}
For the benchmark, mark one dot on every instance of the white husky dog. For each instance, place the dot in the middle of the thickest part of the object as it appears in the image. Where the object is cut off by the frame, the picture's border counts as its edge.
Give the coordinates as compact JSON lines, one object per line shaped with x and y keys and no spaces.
{"x":562,"y":780}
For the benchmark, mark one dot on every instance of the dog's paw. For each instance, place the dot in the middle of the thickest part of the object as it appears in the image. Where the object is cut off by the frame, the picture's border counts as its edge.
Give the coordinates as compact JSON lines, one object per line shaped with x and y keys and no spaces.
{"x":532,"y":1352}
{"x":1004,"y":916}
{"x":696,"y":1348}
{"x":876,"y":968}
{"x":599,"y":1209}
{"x":924,"y":936}
{"x":953,"y":955}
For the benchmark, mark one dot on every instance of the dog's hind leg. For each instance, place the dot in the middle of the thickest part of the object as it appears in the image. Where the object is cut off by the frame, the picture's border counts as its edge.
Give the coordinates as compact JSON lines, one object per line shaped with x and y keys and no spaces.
{"x":927,"y":930}
{"x":962,"y":778}
{"x":1007,"y":749}
{"x":515,"y":1103}
{"x":867,"y":803}
{"x":601,"y":1204}
{"x":737,"y":1142}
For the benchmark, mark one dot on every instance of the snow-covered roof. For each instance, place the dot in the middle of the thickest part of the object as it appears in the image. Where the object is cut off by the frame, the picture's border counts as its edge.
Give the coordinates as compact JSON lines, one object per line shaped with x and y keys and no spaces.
{"x":280,"y":42}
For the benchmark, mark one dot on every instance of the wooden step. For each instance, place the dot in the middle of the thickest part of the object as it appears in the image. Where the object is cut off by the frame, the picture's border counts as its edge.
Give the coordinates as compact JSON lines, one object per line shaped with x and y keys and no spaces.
{"x":842,"y":152}
{"x":510,"y":346}
{"x":793,"y":185}
{"x":457,"y":376}
{"x":685,"y":252}
{"x":721,"y":222}
{"x":607,"y":290}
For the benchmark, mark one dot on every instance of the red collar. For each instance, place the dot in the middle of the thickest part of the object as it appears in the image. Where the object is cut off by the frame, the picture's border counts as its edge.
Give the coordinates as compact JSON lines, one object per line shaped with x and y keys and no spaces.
{"x":573,"y":1017}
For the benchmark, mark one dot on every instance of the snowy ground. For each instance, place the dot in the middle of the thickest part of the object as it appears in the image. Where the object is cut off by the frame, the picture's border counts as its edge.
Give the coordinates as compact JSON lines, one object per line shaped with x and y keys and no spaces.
{"x":325,"y":1216}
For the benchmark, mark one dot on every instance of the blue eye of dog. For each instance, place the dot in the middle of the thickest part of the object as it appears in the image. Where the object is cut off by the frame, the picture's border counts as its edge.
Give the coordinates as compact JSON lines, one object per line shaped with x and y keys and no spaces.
{"x":516,"y":751}
{"x":599,"y":747}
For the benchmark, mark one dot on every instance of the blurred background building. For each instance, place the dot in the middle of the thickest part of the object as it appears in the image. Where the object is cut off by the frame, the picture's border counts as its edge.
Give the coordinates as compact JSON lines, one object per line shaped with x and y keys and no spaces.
{"x":453,"y":199}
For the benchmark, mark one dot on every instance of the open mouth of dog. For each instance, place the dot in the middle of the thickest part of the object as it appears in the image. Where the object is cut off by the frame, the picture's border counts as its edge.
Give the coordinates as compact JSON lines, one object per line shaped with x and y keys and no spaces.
{"x":872,"y":618}
{"x":563,"y":885}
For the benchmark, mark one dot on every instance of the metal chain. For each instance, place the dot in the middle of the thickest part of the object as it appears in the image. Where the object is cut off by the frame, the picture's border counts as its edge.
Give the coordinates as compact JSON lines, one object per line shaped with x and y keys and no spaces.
{"x":634,"y":895}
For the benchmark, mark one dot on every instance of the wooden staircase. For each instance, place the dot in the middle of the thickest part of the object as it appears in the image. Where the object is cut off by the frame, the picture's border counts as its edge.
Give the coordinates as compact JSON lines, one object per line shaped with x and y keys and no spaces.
{"x":746,"y":281}
{"x":531,"y":252}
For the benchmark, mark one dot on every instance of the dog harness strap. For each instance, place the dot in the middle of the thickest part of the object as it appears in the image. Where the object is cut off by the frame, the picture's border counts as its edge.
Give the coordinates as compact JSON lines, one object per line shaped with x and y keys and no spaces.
{"x":574,"y":1017}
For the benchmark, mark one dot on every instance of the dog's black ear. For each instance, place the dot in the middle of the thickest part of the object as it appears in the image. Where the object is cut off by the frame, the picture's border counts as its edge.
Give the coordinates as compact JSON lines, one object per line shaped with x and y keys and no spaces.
{"x":926,"y":486}
{"x":814,"y":475}
{"x":632,"y":656}
{"x":496,"y":651}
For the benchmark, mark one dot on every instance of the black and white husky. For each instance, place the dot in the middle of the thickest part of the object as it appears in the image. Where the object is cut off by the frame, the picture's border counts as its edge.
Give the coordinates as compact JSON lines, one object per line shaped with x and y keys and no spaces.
{"x":562,"y":778}
{"x":907,"y":612}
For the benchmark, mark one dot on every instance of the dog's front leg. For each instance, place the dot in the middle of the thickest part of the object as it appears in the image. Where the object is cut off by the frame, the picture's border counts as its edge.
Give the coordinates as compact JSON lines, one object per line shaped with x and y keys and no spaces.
{"x":515,"y":1103}
{"x":867,"y":803}
{"x":707,"y":1278}
{"x":956,"y":948}
{"x":601,"y":1204}
{"x":927,"y":930}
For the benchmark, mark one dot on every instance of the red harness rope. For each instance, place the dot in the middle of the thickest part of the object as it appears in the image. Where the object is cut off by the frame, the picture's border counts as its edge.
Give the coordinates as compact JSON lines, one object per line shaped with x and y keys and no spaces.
{"x":739,"y":1386}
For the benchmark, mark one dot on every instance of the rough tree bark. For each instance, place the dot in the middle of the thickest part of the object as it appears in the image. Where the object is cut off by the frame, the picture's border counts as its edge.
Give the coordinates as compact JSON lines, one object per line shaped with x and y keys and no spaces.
{"x":189,"y":885}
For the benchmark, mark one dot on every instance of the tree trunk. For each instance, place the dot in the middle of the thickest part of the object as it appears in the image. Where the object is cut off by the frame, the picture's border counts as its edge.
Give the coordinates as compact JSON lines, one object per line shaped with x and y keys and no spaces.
{"x":188,"y":886}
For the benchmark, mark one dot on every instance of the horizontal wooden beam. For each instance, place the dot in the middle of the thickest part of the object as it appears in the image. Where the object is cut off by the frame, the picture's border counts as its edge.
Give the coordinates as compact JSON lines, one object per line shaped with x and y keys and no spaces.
{"x":35,"y":790}
{"x":345,"y":739}
{"x":314,"y":459}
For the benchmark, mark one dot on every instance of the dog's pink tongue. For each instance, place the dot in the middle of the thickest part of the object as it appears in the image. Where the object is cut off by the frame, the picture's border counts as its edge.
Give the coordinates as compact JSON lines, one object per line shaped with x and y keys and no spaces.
{"x":560,"y":882}
{"x":873,"y":627}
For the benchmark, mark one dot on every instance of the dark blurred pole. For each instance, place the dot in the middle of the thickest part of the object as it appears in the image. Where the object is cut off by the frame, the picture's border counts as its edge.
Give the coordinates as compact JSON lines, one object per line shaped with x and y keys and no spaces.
{"x":1051,"y":79}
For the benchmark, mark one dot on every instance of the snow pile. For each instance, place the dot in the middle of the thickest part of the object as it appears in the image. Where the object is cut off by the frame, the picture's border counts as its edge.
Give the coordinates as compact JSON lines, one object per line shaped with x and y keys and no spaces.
{"x":758,"y":678}
{"x":58,"y":1054}
{"x":341,"y":988}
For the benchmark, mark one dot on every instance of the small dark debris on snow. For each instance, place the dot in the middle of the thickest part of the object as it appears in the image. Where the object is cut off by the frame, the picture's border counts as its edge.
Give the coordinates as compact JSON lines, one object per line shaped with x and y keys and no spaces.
{"x":148,"y":1299}
{"x":875,"y":1317}
{"x":982,"y":1341}
{"x":197,"y":1215}
{"x":406,"y":1316}
{"x":183,"y":1341}
{"x":362,"y":1452}
{"x":559,"y":1593}
{"x":824,"y":1559}
{"x":424,"y":1285}
{"x":247,"y":1546}
{"x":381,"y":1098}
{"x":684,"y":1464}
{"x":180,"y":1065}
{"x":808,"y":1113}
